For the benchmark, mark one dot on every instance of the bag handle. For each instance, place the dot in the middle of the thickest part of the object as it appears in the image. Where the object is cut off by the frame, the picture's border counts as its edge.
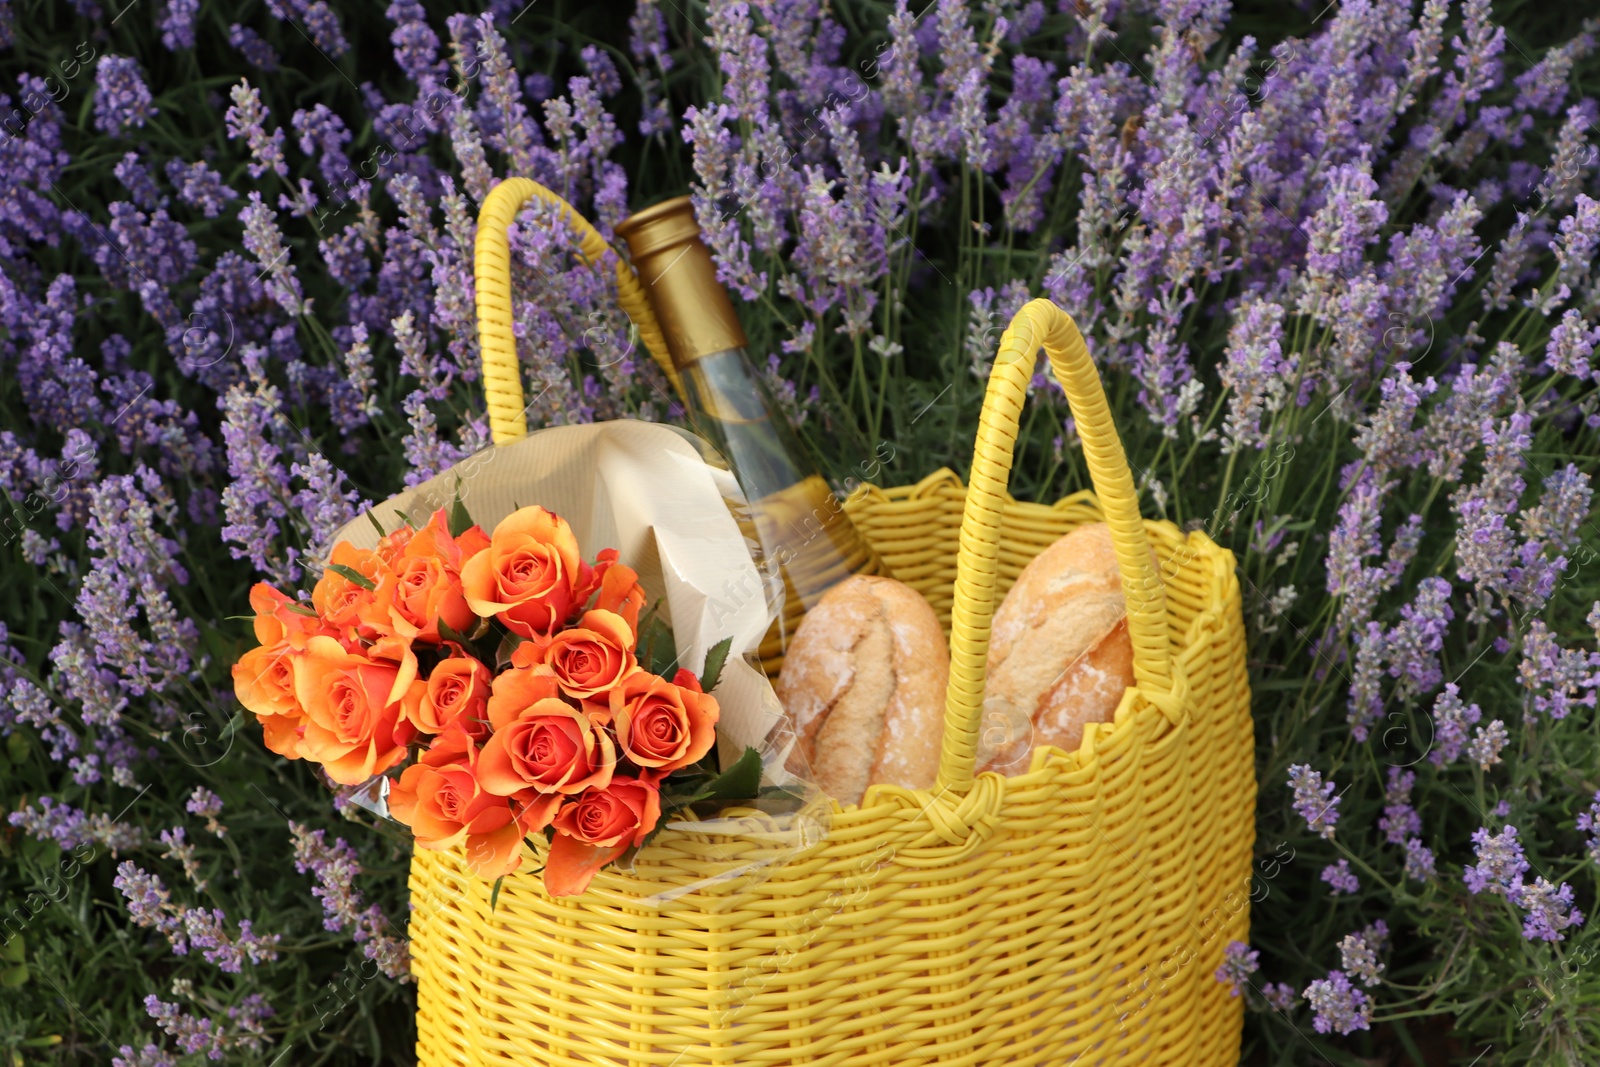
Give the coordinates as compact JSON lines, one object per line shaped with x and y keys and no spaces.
{"x":502,"y":375}
{"x":1041,"y":324}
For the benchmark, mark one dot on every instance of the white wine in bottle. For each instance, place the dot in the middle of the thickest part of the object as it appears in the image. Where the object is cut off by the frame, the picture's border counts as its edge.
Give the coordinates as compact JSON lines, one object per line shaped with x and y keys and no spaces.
{"x":806,"y":539}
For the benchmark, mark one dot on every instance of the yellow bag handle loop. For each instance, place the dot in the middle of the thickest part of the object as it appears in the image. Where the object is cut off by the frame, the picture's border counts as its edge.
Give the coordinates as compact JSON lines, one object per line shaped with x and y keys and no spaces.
{"x":1041,"y":324}
{"x":502,"y":376}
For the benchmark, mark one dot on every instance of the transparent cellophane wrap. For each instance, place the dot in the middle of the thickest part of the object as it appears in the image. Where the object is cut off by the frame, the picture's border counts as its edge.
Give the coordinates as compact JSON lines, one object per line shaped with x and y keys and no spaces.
{"x":648,"y":491}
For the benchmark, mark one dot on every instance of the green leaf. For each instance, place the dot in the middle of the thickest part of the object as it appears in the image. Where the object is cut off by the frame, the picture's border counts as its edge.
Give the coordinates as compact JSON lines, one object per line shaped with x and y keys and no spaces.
{"x":350,"y":574}
{"x":742,"y":781}
{"x":657,"y":651}
{"x":711,"y":674}
{"x":301,"y":609}
{"x":508,"y":646}
{"x":494,"y":894}
{"x":450,"y":633}
{"x":14,"y":977}
{"x":460,"y":521}
{"x":372,"y":517}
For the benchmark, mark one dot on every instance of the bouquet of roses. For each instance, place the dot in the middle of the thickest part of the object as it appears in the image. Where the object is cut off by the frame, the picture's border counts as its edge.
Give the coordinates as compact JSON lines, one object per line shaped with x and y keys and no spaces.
{"x":501,"y":674}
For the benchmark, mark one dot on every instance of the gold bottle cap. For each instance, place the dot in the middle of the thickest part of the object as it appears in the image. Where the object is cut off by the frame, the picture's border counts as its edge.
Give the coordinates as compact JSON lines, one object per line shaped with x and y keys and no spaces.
{"x":693,"y":308}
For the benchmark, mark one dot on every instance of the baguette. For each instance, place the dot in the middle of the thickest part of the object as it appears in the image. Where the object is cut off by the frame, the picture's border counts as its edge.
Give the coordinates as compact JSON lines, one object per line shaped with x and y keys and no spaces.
{"x":1059,"y":652}
{"x":864,"y":679}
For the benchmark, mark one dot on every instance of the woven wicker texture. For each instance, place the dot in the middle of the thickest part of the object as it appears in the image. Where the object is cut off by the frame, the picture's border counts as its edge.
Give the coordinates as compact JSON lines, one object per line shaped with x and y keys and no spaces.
{"x":1071,"y":914}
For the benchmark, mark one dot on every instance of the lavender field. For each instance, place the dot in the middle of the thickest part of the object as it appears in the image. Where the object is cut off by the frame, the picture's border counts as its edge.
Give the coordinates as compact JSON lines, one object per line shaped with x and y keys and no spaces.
{"x":1336,"y":261}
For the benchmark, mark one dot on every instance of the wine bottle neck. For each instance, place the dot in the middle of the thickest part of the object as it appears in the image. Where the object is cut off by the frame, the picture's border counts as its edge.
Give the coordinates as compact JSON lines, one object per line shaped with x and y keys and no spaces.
{"x":694,"y":311}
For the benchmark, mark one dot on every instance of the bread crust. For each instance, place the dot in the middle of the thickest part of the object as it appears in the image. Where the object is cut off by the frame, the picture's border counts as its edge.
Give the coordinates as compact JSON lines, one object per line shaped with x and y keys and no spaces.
{"x":1059,"y":652}
{"x":864,"y":679}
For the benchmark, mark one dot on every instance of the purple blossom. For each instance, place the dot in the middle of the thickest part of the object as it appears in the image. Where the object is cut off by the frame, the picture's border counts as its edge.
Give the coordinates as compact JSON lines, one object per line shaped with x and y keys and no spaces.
{"x":1500,"y":865}
{"x":180,"y":849}
{"x":1340,"y":878}
{"x":1366,"y":694}
{"x":71,"y":828}
{"x":177,"y":23}
{"x":212,"y":1036}
{"x":1254,"y":371}
{"x":247,"y":119}
{"x":1589,"y":823}
{"x":149,"y":1056}
{"x":1280,"y":996}
{"x":1314,"y":799}
{"x":324,"y":503}
{"x":1239,"y":962}
{"x":206,"y":804}
{"x":323,"y":136}
{"x":1359,"y":952}
{"x":265,"y":241}
{"x":257,"y":52}
{"x":1355,"y":540}
{"x":1400,"y":820}
{"x":1339,"y":233}
{"x":335,"y":868}
{"x":255,"y":501}
{"x":1452,"y":717}
{"x":1412,"y":647}
{"x":1549,"y":909}
{"x":319,"y":22}
{"x":1557,"y":679}
{"x":1419,"y":860}
{"x":200,"y":187}
{"x":135,"y":177}
{"x":1487,"y":741}
{"x":1572,"y":342}
{"x":1337,"y":1005}
{"x":121,"y":99}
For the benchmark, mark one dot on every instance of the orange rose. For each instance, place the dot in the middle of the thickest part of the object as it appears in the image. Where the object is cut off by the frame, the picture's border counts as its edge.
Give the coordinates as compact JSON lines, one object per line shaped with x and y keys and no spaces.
{"x":440,"y":798}
{"x":353,"y":701}
{"x":390,"y":545}
{"x":664,"y":725}
{"x":589,"y":658}
{"x":457,"y":691}
{"x":620,"y":590}
{"x":427,"y":577}
{"x":595,"y":829}
{"x":344,"y":604}
{"x":263,"y":681}
{"x":541,"y":742}
{"x":277,"y":620}
{"x":531,"y":576}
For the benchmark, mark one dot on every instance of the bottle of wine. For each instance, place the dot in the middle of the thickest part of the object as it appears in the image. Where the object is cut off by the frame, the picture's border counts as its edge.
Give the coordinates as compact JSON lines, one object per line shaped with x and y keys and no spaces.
{"x":806,"y":540}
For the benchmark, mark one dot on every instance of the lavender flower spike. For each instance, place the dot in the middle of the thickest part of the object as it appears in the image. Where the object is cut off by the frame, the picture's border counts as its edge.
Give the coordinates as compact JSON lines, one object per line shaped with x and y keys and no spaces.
{"x":1338,"y":1006}
{"x":1314,"y":799}
{"x":121,"y":99}
{"x":1500,"y":865}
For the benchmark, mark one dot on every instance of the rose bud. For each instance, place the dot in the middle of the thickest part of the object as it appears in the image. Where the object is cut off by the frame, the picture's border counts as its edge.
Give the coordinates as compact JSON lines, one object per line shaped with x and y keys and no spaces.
{"x":427,"y":577}
{"x":620,"y":590}
{"x":345,"y":605}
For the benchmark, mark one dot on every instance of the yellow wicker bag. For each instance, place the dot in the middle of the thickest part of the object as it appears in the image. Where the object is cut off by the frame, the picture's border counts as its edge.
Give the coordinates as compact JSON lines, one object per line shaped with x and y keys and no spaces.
{"x":1072,"y":914}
